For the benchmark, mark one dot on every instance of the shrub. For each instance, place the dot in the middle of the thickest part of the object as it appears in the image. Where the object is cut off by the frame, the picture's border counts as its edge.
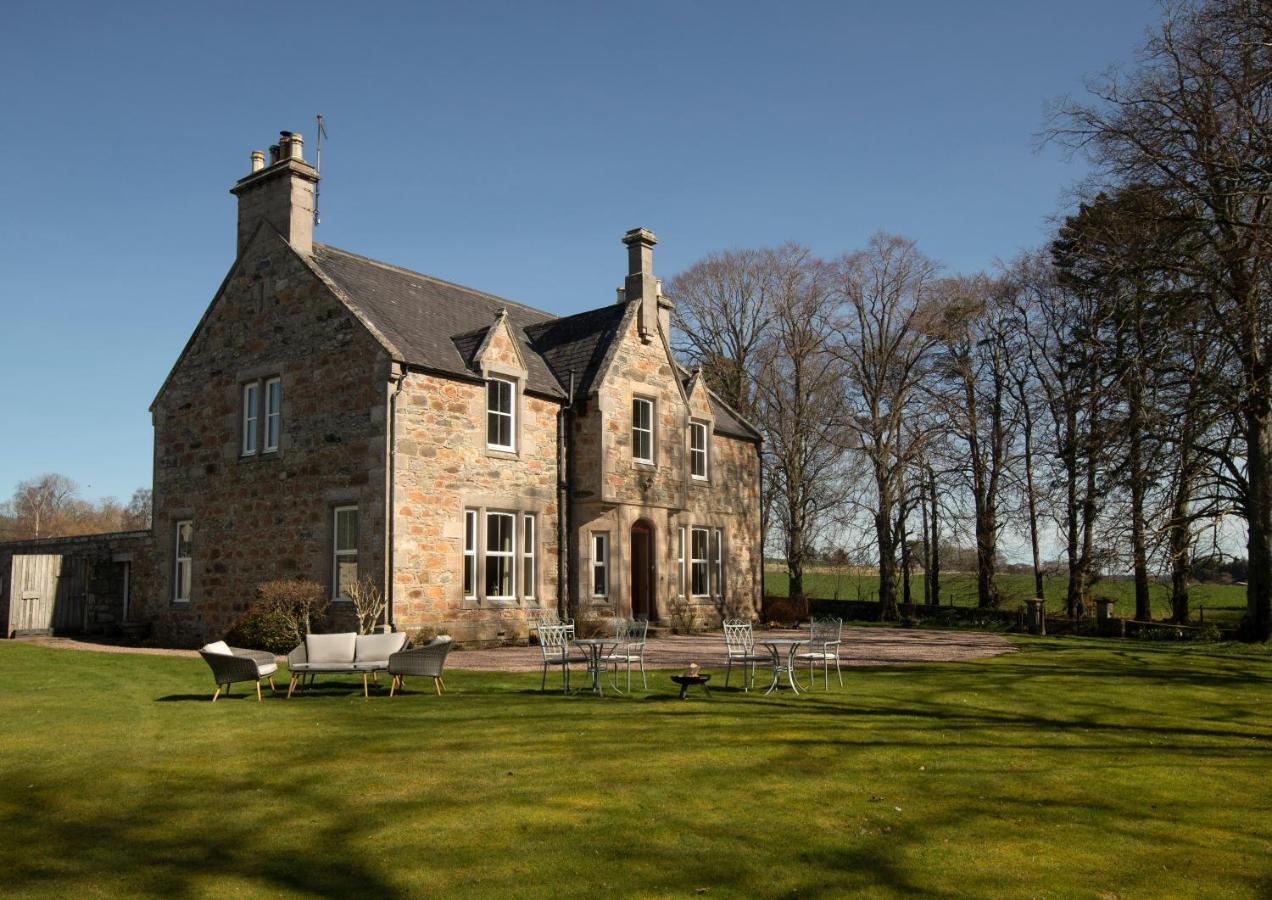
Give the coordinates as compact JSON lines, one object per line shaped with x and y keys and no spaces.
{"x":368,"y":604}
{"x":681,"y":615}
{"x":300,"y":604}
{"x":263,"y":629}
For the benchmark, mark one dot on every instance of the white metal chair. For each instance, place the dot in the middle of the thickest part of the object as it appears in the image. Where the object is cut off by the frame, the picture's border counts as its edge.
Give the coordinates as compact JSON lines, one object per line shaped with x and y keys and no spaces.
{"x":824,"y":638}
{"x":554,"y":643}
{"x":739,"y":642}
{"x":537,"y":618}
{"x":631,"y":633}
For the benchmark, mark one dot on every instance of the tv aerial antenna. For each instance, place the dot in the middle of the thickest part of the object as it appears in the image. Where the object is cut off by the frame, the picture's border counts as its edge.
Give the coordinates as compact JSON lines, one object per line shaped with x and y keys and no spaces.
{"x":322,"y":133}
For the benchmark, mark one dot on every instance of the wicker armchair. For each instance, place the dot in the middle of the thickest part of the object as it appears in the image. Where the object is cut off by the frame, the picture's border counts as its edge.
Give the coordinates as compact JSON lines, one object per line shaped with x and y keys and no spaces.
{"x":231,"y":665}
{"x":427,"y":659}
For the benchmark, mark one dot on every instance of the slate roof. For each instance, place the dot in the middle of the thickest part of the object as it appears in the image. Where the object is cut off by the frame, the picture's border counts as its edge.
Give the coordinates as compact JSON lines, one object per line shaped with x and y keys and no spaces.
{"x":439,"y":326}
{"x":577,"y":344}
{"x":420,"y":315}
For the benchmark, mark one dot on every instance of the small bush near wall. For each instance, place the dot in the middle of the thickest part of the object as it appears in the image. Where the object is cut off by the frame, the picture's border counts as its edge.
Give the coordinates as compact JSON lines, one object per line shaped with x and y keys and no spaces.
{"x":682,"y":616}
{"x":287,"y":610}
{"x":263,"y":630}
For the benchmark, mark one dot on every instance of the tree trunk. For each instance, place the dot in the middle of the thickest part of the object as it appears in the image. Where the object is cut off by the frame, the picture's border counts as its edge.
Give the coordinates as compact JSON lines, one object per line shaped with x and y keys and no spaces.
{"x":1139,"y":552}
{"x":1076,"y":587}
{"x":887,"y":559}
{"x":1257,"y":624}
{"x":926,"y":547}
{"x":935,"y":574}
{"x":1031,"y":497}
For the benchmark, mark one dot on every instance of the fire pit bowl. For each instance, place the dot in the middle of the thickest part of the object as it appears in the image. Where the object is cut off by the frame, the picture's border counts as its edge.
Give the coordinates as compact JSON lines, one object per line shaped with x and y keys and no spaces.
{"x":685,"y":680}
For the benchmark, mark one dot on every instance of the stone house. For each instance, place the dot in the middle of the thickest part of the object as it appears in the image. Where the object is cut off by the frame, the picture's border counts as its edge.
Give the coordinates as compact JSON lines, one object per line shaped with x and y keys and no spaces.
{"x":336,"y":417}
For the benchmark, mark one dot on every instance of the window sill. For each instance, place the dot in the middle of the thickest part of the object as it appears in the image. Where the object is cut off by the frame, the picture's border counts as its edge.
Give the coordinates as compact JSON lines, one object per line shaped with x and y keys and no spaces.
{"x":644,"y":464}
{"x":499,"y":453}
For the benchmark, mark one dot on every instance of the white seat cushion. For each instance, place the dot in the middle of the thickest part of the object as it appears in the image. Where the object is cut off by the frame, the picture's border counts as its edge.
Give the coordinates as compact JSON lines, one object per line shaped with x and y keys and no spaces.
{"x":267,"y":668}
{"x":817,"y":656}
{"x":377,"y":648}
{"x":330,"y":648}
{"x":218,"y":647}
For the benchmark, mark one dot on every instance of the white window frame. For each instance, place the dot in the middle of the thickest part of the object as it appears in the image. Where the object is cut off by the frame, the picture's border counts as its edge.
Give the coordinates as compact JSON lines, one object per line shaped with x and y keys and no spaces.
{"x":470,"y":554}
{"x":337,"y":554}
{"x":648,"y":431}
{"x":699,"y":563}
{"x":251,"y":418}
{"x":680,"y":560}
{"x":510,"y":555}
{"x":717,"y":562}
{"x":600,"y":562}
{"x":183,"y":566}
{"x":529,"y":571}
{"x":511,"y":415}
{"x":696,"y":428}
{"x":273,"y":419}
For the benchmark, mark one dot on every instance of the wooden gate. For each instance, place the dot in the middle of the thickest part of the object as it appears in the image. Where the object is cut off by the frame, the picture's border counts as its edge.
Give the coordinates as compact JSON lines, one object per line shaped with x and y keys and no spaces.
{"x":48,"y":592}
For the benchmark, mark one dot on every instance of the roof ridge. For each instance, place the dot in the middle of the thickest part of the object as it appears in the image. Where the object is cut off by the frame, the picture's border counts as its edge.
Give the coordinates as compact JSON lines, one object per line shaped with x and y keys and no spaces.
{"x":463,"y":287}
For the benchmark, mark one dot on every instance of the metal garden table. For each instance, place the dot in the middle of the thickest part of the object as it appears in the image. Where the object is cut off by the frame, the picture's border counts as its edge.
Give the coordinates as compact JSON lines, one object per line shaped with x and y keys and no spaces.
{"x":782,"y":665}
{"x":595,"y":648}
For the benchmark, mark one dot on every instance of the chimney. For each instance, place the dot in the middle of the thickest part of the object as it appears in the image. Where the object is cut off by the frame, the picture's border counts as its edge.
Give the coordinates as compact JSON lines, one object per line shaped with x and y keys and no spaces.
{"x":280,"y":194}
{"x":641,"y":286}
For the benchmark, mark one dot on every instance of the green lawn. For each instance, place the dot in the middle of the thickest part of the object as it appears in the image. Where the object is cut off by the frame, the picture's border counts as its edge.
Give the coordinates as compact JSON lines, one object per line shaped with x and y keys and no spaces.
{"x":1223,"y":603}
{"x":1074,"y":768}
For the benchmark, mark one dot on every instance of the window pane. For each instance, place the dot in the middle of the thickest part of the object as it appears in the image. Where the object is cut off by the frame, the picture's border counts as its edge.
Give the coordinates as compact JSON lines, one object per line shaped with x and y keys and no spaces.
{"x":470,"y":574}
{"x":499,"y":533}
{"x":527,"y":564}
{"x":346,"y":573}
{"x":346,"y":529}
{"x":470,"y":531}
{"x":251,"y":413}
{"x":498,"y":576}
{"x":183,"y":580}
{"x":185,"y":536}
{"x":273,"y":403}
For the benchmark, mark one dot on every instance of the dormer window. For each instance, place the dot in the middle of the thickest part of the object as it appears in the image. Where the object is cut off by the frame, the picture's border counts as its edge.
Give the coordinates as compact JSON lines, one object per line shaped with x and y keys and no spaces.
{"x":500,"y":415}
{"x":698,"y":450}
{"x":643,"y":431}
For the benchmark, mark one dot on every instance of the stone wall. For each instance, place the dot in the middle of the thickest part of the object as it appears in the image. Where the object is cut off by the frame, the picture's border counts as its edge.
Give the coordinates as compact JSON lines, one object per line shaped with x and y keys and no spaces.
{"x":268,"y":515}
{"x":443,"y":468}
{"x":118,"y":564}
{"x":613,"y":492}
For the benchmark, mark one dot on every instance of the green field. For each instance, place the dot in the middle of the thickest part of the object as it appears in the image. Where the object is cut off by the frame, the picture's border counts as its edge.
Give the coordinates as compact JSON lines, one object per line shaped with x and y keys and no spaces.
{"x":1222,"y":603}
{"x":1075,"y":768}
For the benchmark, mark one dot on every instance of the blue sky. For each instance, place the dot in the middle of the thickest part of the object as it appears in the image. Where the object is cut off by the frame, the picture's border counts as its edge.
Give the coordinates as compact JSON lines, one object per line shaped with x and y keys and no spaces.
{"x":503,"y":145}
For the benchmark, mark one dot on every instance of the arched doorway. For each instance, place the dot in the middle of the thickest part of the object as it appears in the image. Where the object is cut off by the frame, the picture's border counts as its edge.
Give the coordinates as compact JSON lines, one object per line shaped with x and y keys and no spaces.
{"x":642,"y":574}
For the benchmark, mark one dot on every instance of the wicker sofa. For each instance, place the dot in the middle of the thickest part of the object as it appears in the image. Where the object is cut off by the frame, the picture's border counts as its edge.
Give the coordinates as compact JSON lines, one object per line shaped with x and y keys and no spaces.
{"x":231,"y":665}
{"x":342,"y":654}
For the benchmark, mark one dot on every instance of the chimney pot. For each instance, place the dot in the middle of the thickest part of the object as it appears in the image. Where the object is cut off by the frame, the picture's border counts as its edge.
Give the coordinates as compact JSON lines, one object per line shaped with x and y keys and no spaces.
{"x":280,"y":195}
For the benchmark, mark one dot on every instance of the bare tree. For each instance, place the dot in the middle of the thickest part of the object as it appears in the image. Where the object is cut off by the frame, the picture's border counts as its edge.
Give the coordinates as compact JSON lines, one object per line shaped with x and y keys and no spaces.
{"x":42,"y":507}
{"x":800,"y":401}
{"x":1194,"y":119}
{"x":139,"y":511}
{"x":971,"y":390}
{"x":888,"y":324}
